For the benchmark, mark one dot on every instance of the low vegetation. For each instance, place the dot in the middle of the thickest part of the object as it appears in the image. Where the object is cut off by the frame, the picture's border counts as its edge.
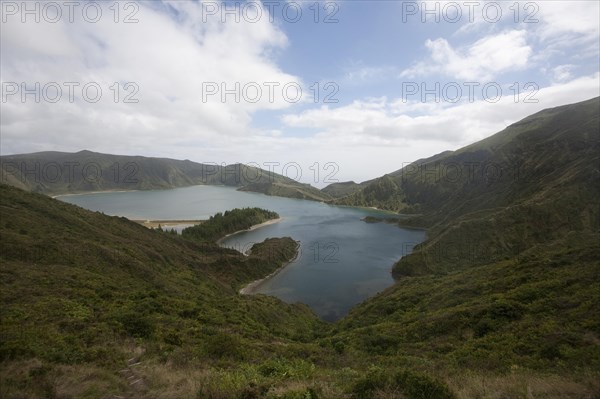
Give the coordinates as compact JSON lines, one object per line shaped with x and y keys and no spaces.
{"x":83,"y":292}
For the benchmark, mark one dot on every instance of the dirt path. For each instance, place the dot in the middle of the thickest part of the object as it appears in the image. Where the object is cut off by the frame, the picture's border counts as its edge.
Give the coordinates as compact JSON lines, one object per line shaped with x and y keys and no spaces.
{"x":135,"y":381}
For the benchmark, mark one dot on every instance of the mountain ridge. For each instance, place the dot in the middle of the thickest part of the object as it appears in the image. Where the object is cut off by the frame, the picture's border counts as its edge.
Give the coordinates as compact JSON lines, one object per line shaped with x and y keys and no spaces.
{"x":54,"y":173}
{"x":542,"y":167}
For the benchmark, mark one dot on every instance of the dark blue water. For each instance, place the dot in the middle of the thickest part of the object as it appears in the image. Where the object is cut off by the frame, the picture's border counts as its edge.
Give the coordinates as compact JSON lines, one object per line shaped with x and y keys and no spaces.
{"x":342,"y":260}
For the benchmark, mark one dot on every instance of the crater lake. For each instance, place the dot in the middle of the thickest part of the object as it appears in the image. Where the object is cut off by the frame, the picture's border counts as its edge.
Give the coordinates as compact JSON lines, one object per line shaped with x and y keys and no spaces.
{"x":342,"y":260}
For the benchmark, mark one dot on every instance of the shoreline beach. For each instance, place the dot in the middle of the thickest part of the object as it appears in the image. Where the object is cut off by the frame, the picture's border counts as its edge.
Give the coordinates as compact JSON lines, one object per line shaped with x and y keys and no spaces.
{"x":92,"y":192}
{"x":256,"y":226}
{"x":152,"y":224}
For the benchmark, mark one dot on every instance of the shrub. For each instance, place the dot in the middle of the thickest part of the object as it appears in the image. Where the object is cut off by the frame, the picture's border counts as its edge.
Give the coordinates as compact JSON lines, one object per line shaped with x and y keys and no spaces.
{"x":223,"y":345}
{"x":137,"y":325}
{"x":253,"y":391}
{"x":421,"y":386}
{"x":365,"y":387}
{"x":308,"y":393}
{"x":412,"y":384}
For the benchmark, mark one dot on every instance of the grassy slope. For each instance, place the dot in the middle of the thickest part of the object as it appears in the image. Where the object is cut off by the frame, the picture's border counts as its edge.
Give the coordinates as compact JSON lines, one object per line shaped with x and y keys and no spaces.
{"x":82,"y":292}
{"x":550,"y":187}
{"x":84,"y":288}
{"x":538,"y":311}
{"x":344,"y":189}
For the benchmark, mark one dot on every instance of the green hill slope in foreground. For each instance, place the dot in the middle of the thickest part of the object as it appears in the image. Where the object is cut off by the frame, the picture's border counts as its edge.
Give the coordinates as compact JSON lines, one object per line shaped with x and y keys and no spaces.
{"x":95,"y":306}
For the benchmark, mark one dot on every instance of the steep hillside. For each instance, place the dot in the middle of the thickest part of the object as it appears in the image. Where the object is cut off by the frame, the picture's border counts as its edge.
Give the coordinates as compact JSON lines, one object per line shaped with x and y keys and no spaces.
{"x":499,"y":170}
{"x":382,"y":193}
{"x":536,"y":311}
{"x":546,"y":185}
{"x":531,"y":183}
{"x":344,"y":189}
{"x":269,"y":183}
{"x":62,"y":172}
{"x":305,"y":191}
{"x":82,"y":288}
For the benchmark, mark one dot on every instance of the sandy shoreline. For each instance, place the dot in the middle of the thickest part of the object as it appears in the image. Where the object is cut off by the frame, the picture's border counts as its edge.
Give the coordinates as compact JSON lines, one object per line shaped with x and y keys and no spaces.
{"x":252,"y":287}
{"x":256,"y":226}
{"x":152,"y":224}
{"x":92,"y":192}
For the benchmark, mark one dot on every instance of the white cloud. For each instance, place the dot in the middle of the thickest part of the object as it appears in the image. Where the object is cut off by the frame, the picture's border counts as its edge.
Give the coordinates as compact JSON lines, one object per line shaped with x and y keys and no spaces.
{"x":482,"y":60}
{"x":528,"y":34}
{"x":170,"y":59}
{"x":568,"y":30}
{"x":384,"y":122}
{"x":562,"y":73}
{"x":368,"y":74}
{"x":560,"y":17}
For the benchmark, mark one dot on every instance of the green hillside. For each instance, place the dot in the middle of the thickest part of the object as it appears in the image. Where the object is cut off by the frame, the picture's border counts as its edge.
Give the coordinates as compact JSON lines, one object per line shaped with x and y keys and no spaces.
{"x":506,"y":167}
{"x":532,"y":183}
{"x":549,"y":187}
{"x":83,"y":292}
{"x":95,"y":306}
{"x":339,"y":190}
{"x":281,"y":189}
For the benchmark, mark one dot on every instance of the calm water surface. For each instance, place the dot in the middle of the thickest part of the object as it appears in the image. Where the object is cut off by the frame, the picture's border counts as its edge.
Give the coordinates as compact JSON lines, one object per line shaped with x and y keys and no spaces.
{"x":342,"y":260}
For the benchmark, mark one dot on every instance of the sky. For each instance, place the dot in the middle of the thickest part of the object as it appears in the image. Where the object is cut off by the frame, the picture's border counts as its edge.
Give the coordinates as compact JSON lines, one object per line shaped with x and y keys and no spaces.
{"x":319,"y":91}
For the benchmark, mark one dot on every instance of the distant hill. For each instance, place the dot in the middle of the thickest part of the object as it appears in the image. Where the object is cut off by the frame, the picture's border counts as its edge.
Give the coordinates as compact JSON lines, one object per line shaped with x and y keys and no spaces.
{"x":339,"y":190}
{"x":61,"y":172}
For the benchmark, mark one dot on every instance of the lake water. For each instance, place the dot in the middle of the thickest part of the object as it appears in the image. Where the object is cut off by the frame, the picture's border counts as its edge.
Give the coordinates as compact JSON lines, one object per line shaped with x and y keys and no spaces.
{"x":342,"y":260}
